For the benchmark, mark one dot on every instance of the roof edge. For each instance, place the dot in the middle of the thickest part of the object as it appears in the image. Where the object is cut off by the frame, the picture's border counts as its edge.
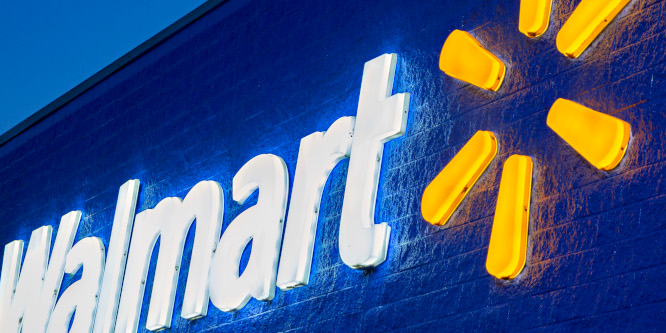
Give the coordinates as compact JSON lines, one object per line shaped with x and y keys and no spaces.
{"x":107,"y":71}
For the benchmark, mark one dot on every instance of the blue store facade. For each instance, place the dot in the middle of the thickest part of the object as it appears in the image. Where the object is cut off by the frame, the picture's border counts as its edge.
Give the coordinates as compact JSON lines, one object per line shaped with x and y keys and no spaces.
{"x":245,"y":78}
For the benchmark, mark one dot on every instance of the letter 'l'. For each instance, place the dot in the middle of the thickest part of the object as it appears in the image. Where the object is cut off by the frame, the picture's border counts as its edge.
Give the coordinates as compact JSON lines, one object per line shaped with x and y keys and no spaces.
{"x":116,"y":258}
{"x":380,"y":118}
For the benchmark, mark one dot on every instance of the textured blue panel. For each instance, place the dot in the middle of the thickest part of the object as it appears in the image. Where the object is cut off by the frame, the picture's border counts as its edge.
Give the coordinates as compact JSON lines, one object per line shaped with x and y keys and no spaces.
{"x":230,"y":87}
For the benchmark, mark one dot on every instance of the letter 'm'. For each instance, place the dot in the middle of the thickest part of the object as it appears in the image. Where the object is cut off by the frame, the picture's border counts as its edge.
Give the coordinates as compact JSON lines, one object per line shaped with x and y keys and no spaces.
{"x":171,"y":220}
{"x":263,"y":224}
{"x":319,"y":153}
{"x":380,"y":118}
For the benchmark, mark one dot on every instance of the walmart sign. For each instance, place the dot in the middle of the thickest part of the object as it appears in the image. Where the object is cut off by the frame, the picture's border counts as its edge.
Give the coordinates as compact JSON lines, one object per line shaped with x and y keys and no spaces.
{"x":110,"y":292}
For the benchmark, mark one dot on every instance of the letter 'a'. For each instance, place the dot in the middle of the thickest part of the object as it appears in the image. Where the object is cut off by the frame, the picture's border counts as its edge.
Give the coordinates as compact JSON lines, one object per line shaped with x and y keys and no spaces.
{"x":262,"y":223}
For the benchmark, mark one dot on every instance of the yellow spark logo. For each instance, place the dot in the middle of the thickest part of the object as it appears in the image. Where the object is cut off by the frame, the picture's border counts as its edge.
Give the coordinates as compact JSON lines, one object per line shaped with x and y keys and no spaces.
{"x":599,"y":138}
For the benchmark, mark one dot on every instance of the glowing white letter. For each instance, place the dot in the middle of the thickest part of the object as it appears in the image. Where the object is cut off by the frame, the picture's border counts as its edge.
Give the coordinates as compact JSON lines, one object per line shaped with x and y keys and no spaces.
{"x":261,"y":223}
{"x":171,"y":219}
{"x":319,"y":153}
{"x":30,"y":302}
{"x":114,"y":270}
{"x":17,"y":295}
{"x":380,"y":118}
{"x":83,"y":294}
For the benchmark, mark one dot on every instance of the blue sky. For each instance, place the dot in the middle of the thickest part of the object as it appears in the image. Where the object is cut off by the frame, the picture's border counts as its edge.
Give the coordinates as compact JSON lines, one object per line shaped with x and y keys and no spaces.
{"x":48,"y":47}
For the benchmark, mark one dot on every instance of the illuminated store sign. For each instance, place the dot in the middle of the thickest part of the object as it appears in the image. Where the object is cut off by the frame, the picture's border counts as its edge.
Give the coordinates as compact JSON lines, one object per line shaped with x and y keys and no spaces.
{"x":28,"y":296}
{"x":599,"y":138}
{"x":109,"y":295}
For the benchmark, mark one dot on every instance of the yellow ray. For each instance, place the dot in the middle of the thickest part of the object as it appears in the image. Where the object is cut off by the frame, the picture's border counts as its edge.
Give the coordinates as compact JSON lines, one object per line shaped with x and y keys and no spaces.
{"x":599,"y":138}
{"x":464,"y":58}
{"x":585,"y":24}
{"x":443,"y":195}
{"x":507,"y":251}
{"x":534,"y":17}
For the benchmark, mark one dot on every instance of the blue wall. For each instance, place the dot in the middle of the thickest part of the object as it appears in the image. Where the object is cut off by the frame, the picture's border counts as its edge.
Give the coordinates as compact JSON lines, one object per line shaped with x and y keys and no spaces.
{"x":253,"y":78}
